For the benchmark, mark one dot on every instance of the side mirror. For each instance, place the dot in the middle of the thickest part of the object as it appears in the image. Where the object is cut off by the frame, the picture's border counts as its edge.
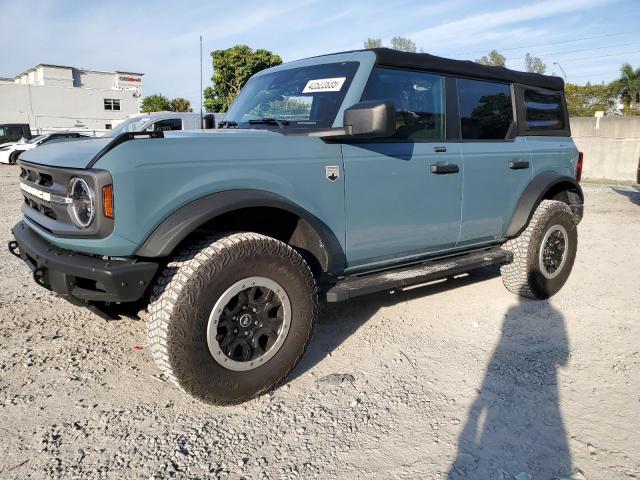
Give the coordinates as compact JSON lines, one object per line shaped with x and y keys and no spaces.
{"x":370,"y":119}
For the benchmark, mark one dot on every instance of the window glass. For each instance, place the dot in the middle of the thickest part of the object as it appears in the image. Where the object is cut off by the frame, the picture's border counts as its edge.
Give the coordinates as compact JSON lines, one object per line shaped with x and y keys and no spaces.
{"x":304,"y":97}
{"x":116,"y":104}
{"x":418,"y":98}
{"x":544,"y":110}
{"x":14,"y":132}
{"x":486,"y":112}
{"x":2,"y":132}
{"x":164,"y":125}
{"x":108,"y":104}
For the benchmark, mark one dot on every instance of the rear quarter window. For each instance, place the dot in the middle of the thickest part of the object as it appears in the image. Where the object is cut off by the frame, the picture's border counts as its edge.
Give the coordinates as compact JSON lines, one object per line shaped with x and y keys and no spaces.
{"x":543,"y":110}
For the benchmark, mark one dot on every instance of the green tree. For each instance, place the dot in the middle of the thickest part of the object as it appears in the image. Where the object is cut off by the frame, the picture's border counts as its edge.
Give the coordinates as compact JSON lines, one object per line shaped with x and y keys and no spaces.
{"x":180,"y":105}
{"x":494,"y":58}
{"x":628,"y":87}
{"x":231,"y":70}
{"x":403,"y":44}
{"x":586,"y":100}
{"x":373,"y":43}
{"x":155,"y":103}
{"x":534,"y":64}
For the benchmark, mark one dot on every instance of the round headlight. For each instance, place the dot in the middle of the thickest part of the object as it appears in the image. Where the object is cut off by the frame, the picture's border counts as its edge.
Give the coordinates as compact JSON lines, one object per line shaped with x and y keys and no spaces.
{"x":82,"y":202}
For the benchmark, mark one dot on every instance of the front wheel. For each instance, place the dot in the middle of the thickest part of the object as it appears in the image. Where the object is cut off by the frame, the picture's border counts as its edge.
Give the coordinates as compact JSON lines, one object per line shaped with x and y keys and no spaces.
{"x":231,"y":316}
{"x":13,"y":157}
{"x":543,"y":254}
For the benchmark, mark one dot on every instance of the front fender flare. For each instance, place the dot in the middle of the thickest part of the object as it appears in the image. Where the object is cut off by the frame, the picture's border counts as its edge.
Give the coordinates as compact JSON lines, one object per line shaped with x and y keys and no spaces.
{"x":538,"y":190}
{"x":177,"y":226}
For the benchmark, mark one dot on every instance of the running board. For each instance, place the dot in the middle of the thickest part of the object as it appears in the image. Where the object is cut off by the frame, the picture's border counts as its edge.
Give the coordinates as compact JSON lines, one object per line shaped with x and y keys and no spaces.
{"x":357,"y":285}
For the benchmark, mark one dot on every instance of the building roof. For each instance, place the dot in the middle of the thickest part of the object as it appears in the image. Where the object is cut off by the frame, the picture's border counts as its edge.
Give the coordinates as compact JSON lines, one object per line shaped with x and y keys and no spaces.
{"x":75,"y":68}
{"x":423,"y":61}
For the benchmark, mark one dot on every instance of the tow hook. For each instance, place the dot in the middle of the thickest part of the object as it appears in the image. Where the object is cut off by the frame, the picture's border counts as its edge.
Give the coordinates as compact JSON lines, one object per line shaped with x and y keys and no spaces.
{"x":14,"y":249}
{"x":38,"y":277}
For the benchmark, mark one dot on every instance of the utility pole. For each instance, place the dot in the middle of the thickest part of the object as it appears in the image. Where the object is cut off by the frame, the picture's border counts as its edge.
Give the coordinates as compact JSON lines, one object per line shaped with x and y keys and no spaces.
{"x":201,"y":118}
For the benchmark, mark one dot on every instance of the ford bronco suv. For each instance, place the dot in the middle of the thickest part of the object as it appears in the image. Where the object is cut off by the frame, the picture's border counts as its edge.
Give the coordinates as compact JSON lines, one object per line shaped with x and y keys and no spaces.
{"x":329,"y":178}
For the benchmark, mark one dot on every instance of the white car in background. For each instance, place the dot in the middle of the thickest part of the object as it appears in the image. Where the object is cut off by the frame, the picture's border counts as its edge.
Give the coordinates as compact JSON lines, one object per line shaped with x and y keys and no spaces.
{"x":9,"y":152}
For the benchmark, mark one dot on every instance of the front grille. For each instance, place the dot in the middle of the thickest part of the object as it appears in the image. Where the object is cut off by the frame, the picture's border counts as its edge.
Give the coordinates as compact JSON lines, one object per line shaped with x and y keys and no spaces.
{"x":36,"y":178}
{"x":41,"y":207}
{"x":44,"y":189}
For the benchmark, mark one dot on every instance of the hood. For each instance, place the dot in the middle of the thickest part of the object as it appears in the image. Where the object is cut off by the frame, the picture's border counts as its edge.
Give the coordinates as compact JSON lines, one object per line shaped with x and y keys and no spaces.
{"x":7,"y":145}
{"x":76,"y":154}
{"x":222,"y":132}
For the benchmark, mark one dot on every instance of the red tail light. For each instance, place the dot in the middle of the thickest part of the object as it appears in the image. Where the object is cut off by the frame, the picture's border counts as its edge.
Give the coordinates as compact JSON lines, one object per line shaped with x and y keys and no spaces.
{"x":579,"y":167}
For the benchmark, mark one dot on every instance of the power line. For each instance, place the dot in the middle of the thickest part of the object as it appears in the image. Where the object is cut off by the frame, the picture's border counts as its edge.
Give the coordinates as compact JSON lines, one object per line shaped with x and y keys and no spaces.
{"x":584,"y":49}
{"x":570,"y":60}
{"x":553,"y":43}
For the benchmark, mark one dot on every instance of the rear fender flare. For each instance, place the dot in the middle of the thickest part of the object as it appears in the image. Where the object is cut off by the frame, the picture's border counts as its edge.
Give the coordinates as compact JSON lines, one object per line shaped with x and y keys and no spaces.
{"x":541,"y":188}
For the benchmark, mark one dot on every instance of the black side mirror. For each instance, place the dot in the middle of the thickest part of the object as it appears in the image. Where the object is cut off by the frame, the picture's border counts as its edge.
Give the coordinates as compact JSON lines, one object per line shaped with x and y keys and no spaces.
{"x":370,"y":119}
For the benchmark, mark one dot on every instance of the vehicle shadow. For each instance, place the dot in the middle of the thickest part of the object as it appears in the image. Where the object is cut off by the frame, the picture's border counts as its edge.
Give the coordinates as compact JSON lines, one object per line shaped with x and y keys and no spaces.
{"x":515,"y":424}
{"x":338,"y":321}
{"x":632,"y":193}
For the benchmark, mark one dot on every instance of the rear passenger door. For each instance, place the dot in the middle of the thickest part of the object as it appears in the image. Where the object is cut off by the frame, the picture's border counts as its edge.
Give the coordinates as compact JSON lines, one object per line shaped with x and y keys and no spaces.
{"x":403,"y":194}
{"x":497,"y":163}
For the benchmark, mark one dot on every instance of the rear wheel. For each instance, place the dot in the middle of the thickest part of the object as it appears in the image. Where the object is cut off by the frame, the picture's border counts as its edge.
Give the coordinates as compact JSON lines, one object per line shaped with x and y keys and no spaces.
{"x":543,"y":254}
{"x":231,"y":316}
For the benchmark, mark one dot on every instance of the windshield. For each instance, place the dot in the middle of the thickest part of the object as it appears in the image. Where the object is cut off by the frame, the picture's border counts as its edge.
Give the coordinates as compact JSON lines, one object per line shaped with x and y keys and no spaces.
{"x":35,"y":139}
{"x":305,"y":97}
{"x":132,"y":125}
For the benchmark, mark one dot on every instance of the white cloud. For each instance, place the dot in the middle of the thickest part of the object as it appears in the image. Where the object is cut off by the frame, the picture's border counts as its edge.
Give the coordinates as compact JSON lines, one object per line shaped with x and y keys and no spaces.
{"x":468,"y":29}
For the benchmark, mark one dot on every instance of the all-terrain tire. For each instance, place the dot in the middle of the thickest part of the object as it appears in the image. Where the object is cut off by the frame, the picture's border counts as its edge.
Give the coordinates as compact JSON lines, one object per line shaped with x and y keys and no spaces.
{"x":183,"y":299}
{"x":524,"y":276}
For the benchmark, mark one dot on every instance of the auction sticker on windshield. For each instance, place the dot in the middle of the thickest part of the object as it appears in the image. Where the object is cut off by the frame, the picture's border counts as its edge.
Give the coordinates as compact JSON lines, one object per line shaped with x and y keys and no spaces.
{"x":324,"y":85}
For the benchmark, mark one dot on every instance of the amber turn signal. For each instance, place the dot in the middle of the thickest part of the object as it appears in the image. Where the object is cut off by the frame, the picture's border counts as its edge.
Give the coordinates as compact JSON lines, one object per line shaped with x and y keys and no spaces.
{"x":107,"y":201}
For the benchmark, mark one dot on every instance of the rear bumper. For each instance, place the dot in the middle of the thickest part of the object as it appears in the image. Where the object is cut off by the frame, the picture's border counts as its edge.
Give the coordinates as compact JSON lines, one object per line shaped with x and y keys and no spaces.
{"x":79,"y":278}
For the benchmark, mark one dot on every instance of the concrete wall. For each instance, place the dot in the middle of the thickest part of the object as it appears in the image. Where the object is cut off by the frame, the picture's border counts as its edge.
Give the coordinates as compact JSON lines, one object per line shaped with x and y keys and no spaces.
{"x":611,"y":146}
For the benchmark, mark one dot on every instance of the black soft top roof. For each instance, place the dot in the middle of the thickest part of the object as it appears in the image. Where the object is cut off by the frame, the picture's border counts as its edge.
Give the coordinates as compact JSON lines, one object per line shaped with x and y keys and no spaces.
{"x":423,"y":61}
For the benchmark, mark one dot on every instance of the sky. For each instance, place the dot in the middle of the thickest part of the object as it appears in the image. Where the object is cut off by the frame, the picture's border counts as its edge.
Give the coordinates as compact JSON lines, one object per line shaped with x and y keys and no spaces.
{"x":589,"y":39}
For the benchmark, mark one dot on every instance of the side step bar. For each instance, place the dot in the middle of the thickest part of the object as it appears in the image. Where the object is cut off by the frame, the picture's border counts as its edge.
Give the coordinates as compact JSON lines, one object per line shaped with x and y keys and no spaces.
{"x":357,"y":285}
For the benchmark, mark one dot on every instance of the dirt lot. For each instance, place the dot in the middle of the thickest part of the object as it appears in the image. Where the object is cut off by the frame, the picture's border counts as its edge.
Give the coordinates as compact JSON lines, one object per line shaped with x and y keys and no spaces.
{"x":455,"y":380}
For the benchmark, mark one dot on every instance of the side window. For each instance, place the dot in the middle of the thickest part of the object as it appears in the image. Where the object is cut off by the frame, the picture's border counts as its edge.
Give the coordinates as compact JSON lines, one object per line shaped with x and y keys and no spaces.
{"x":164,"y":125}
{"x":418,"y":98}
{"x":486,"y":112}
{"x":543,"y":110}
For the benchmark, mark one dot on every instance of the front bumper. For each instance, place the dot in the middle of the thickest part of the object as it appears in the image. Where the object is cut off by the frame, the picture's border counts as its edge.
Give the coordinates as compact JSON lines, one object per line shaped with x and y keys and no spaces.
{"x":80,"y":278}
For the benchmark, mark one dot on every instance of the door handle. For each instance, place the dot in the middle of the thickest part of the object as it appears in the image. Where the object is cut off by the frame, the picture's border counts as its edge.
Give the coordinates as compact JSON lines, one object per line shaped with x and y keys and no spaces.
{"x":444,"y":169}
{"x":518,"y":164}
{"x":439,"y":149}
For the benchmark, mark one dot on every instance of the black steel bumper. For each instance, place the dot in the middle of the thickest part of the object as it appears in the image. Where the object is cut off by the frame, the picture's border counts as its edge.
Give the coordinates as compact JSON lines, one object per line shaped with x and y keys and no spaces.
{"x":80,"y":278}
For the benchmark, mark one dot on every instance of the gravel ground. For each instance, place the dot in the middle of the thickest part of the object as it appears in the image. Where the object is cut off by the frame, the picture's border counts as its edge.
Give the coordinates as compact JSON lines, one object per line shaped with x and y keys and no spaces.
{"x":455,"y":380}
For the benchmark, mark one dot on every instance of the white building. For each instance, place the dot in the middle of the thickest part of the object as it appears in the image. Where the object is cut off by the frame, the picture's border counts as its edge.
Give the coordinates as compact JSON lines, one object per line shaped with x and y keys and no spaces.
{"x":54,"y":97}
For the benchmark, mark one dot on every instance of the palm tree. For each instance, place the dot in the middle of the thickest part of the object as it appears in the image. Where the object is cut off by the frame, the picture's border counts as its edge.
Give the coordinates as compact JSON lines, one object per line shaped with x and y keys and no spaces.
{"x":628,"y":86}
{"x":180,"y":105}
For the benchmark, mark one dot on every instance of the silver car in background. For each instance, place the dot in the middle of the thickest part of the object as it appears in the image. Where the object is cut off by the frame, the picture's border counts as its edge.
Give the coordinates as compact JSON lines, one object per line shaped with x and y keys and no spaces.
{"x":163,"y":121}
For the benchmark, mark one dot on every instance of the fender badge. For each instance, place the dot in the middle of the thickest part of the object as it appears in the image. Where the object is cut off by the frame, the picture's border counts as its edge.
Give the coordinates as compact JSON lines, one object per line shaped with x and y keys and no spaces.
{"x":332,"y":172}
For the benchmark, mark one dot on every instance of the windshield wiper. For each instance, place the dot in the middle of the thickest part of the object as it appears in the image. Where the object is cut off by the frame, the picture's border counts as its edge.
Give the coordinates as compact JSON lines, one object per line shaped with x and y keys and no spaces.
{"x":269,"y":121}
{"x":227,"y":124}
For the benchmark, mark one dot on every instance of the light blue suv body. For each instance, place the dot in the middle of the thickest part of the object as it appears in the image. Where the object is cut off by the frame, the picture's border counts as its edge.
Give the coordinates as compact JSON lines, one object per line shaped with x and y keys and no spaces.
{"x":474,"y":151}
